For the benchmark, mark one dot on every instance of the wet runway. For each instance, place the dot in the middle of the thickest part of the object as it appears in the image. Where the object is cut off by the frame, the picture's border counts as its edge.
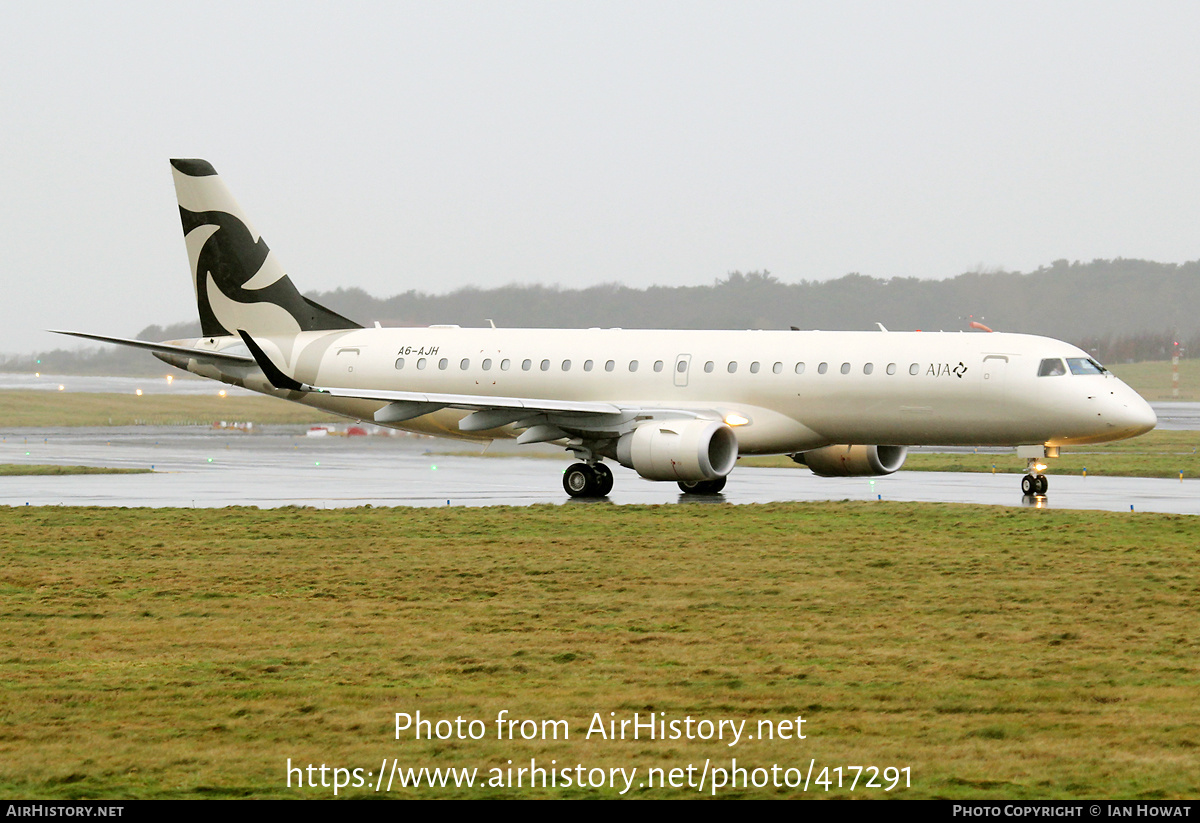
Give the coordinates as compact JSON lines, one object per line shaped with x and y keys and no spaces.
{"x":1177,"y":416}
{"x":282,"y":467}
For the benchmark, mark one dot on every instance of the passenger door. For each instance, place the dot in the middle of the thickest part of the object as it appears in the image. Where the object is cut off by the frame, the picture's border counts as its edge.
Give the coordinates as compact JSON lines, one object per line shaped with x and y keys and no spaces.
{"x":683,"y":364}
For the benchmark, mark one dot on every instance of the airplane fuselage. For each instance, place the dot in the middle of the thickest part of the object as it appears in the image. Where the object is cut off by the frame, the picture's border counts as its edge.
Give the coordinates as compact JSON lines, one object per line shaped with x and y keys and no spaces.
{"x":796,"y":390}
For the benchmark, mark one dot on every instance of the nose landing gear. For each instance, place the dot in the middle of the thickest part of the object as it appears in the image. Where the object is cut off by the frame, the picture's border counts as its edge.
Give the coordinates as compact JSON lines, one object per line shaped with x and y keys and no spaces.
{"x":1034,"y":483}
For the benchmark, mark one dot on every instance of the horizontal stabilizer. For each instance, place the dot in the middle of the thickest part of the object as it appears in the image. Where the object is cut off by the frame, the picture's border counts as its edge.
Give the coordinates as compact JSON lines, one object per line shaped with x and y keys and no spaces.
{"x":165,"y":348}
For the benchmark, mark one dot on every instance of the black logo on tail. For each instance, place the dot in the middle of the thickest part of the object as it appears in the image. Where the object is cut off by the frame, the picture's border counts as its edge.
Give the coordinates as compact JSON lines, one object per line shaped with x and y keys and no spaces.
{"x":231,"y":257}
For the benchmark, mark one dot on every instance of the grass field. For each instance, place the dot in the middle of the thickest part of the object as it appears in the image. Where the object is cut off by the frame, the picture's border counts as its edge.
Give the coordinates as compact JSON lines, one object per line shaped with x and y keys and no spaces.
{"x":44,"y":408}
{"x":1152,"y":380}
{"x":23,"y":470}
{"x":995,"y":652}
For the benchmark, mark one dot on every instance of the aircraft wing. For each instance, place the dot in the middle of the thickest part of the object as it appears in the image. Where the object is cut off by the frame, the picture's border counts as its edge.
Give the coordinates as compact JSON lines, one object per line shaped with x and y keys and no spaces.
{"x":545,"y":418}
{"x":166,"y":348}
{"x":477,"y":401}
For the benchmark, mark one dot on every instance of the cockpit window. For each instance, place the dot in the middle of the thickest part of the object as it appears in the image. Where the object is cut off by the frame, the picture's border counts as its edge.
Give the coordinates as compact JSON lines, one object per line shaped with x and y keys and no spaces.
{"x":1051,"y":367}
{"x":1084,"y":365}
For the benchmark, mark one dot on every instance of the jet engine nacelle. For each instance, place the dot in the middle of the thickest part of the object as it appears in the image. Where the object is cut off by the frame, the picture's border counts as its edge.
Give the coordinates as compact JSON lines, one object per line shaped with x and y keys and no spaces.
{"x":853,"y":461}
{"x":689,"y":450}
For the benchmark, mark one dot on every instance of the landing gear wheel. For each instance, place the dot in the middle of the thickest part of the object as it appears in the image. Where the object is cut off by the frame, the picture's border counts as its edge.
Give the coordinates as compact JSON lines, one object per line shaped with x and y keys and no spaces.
{"x":579,"y":480}
{"x":1033,"y":485}
{"x":702,"y":486}
{"x":604,"y":479}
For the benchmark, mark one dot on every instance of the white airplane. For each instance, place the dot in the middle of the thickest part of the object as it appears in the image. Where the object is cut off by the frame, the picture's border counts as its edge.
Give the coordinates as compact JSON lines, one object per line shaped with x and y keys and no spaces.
{"x":671,"y":405}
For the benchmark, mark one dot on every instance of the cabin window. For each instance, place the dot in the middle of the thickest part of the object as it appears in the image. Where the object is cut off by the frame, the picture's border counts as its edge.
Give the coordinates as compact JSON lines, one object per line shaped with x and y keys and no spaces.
{"x":681,"y":366}
{"x":914,"y":369}
{"x":821,"y":369}
{"x":421,"y":363}
{"x":487,"y":365}
{"x":633,"y":365}
{"x":799,"y":368}
{"x":891,"y":369}
{"x":587,"y":365}
{"x":732,"y":367}
{"x":443,"y":363}
{"x":754,"y":367}
{"x":1052,"y":367}
{"x":504,"y":364}
{"x":658,"y":365}
{"x":610,"y":365}
{"x":526,"y":365}
{"x":777,"y":368}
{"x":868,"y":368}
{"x":845,"y":368}
{"x":708,"y":367}
{"x":399,"y":362}
{"x":465,"y":364}
{"x":566,"y":365}
{"x":545,"y":365}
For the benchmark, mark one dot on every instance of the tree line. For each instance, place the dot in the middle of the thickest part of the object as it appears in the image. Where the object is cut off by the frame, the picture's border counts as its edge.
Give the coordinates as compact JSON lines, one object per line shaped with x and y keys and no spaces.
{"x":1118,"y":310}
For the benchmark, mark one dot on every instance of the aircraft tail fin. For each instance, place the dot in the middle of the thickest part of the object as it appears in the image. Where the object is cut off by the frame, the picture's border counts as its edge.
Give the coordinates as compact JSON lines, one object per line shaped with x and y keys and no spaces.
{"x":239,"y":282}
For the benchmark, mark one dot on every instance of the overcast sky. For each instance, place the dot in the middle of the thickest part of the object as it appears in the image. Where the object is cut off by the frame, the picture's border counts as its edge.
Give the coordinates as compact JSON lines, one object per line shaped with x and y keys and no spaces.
{"x":434,"y":145}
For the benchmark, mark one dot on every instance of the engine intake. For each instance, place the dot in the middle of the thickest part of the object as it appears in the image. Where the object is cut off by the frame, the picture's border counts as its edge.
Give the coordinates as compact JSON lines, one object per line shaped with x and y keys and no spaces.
{"x":853,"y":461}
{"x":689,"y":450}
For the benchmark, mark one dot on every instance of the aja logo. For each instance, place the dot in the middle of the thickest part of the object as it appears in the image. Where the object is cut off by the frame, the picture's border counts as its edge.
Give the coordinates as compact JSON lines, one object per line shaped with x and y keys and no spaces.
{"x":945,"y":370}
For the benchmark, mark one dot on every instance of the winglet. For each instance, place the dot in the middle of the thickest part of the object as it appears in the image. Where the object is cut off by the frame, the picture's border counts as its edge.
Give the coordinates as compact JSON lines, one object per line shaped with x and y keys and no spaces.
{"x":276,"y":377}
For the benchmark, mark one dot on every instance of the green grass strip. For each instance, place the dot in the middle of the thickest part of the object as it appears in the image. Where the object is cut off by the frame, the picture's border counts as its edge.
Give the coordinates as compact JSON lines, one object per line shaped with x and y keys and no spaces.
{"x":996,"y":652}
{"x":23,"y":470}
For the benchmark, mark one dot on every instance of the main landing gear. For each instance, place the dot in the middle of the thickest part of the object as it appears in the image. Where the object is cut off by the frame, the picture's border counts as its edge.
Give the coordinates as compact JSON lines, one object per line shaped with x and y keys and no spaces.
{"x":582,"y":480}
{"x":596,"y":480}
{"x":702,"y":486}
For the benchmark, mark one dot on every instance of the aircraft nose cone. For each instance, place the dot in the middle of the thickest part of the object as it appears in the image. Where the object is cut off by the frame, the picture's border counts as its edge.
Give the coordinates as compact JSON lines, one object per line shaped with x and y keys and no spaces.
{"x":1143,"y":416}
{"x":1135,"y":416}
